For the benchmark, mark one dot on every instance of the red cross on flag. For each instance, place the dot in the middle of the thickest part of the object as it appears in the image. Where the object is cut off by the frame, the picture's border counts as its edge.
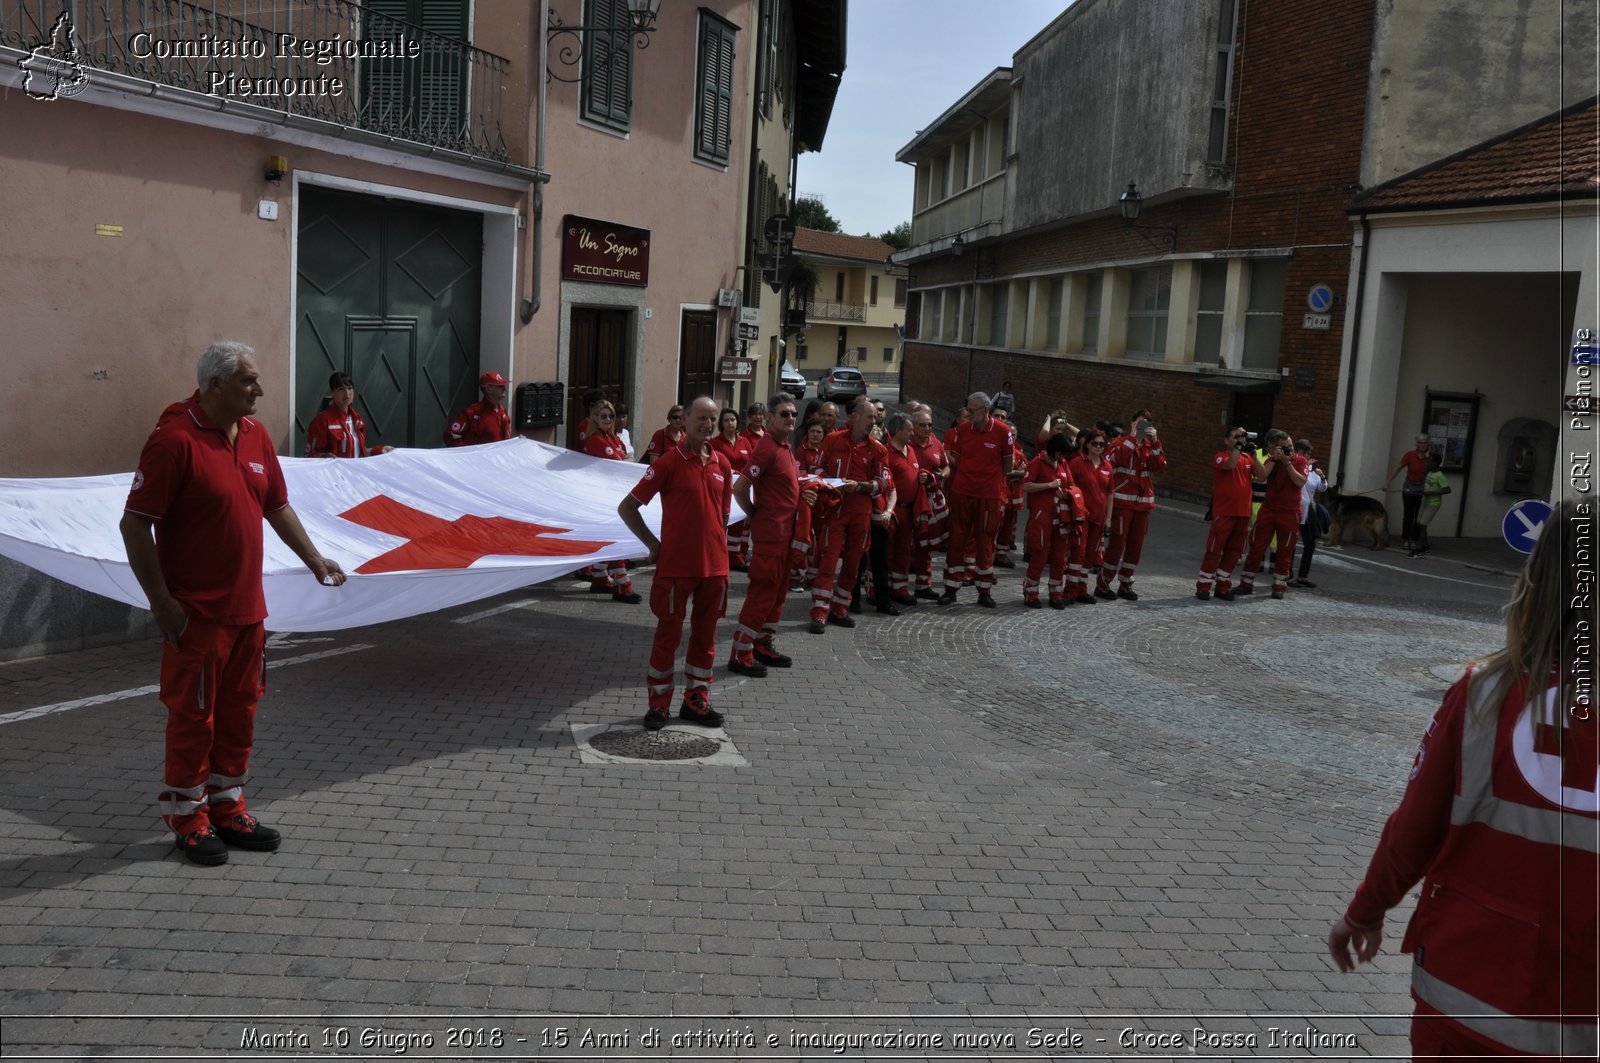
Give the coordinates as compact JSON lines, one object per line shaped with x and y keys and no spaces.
{"x":415,"y":530}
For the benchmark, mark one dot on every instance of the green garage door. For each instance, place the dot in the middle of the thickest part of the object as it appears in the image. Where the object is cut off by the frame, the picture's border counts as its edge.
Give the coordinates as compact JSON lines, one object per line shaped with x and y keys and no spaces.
{"x":389,"y":292}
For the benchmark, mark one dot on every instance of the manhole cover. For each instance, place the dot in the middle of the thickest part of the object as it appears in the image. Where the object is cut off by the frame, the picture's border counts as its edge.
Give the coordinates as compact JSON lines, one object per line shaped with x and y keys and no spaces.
{"x":656,"y":745}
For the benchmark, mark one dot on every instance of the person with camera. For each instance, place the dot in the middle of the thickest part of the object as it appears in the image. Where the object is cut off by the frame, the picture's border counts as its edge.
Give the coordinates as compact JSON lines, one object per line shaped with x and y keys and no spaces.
{"x":1133,"y":498}
{"x":1285,"y":474}
{"x":1233,"y":469}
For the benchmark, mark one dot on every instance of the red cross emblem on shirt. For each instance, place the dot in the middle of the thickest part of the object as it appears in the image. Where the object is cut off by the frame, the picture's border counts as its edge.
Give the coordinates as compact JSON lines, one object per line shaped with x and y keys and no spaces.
{"x":438,"y":543}
{"x":1579,"y":750}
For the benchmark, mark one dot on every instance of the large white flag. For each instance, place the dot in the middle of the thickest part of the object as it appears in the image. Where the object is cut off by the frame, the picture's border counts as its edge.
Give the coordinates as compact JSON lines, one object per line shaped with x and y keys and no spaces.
{"x":415,"y":530}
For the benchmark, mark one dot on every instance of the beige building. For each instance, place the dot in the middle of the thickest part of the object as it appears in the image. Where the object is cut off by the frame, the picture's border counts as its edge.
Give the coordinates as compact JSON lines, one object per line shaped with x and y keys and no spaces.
{"x":857,"y":312}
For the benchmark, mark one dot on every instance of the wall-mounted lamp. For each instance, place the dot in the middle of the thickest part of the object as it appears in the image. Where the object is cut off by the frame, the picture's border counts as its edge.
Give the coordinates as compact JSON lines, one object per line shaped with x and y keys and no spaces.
{"x":1131,"y":202}
{"x":957,"y":245}
{"x":888,"y":262}
{"x":277,"y":167}
{"x":637,"y":29}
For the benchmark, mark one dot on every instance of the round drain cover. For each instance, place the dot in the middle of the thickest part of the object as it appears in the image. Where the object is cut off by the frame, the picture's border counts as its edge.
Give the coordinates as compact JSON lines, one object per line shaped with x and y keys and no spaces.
{"x":654,"y":745}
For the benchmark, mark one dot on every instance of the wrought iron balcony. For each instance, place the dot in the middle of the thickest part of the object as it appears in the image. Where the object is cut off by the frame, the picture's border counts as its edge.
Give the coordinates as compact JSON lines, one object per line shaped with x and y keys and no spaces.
{"x":826,"y":311}
{"x":331,"y":60}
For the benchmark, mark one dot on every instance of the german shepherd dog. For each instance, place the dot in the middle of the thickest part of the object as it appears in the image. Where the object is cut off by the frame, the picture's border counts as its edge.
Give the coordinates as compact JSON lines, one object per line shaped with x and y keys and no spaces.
{"x":1356,"y":512}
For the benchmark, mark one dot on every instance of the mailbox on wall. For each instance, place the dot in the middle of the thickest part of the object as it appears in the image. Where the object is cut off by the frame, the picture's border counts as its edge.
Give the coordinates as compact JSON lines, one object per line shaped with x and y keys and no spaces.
{"x":540,"y":404}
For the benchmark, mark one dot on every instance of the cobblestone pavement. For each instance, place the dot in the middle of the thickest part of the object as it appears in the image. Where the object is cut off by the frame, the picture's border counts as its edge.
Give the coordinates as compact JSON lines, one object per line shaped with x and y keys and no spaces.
{"x":1128,"y":821}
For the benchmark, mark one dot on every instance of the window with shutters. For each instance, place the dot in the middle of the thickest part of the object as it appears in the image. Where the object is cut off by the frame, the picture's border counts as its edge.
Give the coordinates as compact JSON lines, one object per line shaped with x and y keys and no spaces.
{"x":607,"y":97}
{"x":713,"y":105}
{"x":424,"y":98}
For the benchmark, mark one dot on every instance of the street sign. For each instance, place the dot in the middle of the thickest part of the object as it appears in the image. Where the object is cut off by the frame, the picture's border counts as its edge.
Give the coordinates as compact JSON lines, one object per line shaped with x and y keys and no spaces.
{"x":1319,"y":322}
{"x":1524,"y":521}
{"x":1320,"y":299}
{"x":736,"y":369}
{"x":749,"y":332}
{"x":780,"y":230}
{"x":774,"y":270}
{"x":750,"y":315}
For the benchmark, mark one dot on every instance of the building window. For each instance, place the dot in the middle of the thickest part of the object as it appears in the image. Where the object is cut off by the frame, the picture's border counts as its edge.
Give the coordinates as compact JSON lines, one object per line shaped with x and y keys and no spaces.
{"x":888,"y":354}
{"x":1263,"y":316}
{"x":934,"y":301}
{"x":1149,"y":294}
{"x":1091,"y":312}
{"x":1208,"y":320}
{"x":999,"y":298}
{"x":1221,"y":84}
{"x":607,"y":97}
{"x":899,"y":293}
{"x":1052,"y":312}
{"x":872,"y":290}
{"x":713,"y":105}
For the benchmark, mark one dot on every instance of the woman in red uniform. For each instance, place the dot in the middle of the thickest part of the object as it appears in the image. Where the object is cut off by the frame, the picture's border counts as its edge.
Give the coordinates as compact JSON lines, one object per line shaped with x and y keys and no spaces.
{"x":735,"y":446}
{"x":1499,"y":822}
{"x":1091,"y":471}
{"x":601,"y":441}
{"x":909,"y":480}
{"x":665,"y":438}
{"x":1048,"y":477}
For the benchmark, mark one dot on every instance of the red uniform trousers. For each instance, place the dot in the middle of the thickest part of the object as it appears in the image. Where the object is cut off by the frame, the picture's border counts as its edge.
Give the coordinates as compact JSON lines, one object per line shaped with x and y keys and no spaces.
{"x":974,"y":522}
{"x":1128,"y":528}
{"x":902,"y":544}
{"x":1006,"y":538}
{"x":763,"y":601}
{"x":1052,"y":542}
{"x":210,"y":688}
{"x":739,"y":541}
{"x":1224,"y":544}
{"x":840,"y":544}
{"x":1086,"y":557}
{"x":1285,"y":524}
{"x":670,"y":598}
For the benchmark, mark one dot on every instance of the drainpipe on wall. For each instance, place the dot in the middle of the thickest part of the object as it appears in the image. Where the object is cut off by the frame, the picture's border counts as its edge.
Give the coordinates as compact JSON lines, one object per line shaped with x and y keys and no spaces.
{"x":530,"y":304}
{"x":1355,"y":349}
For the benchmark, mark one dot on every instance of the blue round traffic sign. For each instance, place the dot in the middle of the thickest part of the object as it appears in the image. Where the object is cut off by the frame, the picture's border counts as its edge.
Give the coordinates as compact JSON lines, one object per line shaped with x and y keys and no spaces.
{"x":1523,"y":523}
{"x":1320,"y":299}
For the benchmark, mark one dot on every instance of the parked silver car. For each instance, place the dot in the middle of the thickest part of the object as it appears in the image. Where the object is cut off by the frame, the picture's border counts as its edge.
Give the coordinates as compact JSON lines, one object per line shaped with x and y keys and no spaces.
{"x":841,"y":382}
{"x":790,"y":380}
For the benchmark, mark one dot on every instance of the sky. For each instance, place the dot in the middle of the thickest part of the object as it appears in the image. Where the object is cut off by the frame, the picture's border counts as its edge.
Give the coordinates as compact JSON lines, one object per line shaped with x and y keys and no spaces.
{"x":906,"y":62}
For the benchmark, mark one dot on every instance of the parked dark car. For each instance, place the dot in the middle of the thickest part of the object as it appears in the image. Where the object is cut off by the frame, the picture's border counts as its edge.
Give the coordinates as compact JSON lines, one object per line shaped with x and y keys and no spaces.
{"x":841,"y":382}
{"x":790,"y":380}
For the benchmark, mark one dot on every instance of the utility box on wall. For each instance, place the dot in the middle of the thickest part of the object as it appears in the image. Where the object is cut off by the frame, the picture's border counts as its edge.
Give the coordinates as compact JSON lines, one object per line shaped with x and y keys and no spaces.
{"x":540,"y":404}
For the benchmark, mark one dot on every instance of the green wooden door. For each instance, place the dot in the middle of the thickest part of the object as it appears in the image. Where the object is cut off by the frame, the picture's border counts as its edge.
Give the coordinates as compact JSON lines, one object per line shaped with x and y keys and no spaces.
{"x":389,"y":292}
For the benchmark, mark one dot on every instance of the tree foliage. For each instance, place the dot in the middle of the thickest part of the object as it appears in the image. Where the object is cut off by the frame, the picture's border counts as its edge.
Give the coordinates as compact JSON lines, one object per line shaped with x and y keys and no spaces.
{"x":899,"y":237}
{"x":812,"y":213}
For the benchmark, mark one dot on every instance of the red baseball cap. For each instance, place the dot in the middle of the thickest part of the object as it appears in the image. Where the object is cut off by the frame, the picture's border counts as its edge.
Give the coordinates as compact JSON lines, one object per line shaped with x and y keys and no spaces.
{"x":492,"y":378}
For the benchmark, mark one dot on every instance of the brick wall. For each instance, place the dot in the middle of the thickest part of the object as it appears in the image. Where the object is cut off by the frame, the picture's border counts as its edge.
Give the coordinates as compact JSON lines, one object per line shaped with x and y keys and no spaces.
{"x":1295,"y":138}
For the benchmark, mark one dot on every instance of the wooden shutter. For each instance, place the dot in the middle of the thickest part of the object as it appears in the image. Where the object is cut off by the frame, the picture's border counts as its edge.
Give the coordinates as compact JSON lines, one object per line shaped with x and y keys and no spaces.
{"x":608,"y":65}
{"x":714,"y":89}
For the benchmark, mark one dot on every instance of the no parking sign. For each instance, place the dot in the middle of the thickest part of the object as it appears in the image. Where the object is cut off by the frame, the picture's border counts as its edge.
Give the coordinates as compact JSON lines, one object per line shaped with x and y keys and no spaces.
{"x":1524,"y":521}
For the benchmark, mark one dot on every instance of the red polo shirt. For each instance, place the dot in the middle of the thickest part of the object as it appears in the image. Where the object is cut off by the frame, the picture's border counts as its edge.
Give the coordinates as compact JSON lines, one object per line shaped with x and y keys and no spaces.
{"x":207,"y":497}
{"x":664,"y":440}
{"x":1231,"y":494}
{"x":775,"y":490}
{"x":335,"y":435}
{"x":1283,"y":494}
{"x":904,"y":471}
{"x":737,"y":452}
{"x":980,"y":457}
{"x":482,"y":422}
{"x":604,"y":445}
{"x":695,"y":496}
{"x":1416,"y":466}
{"x":845,"y":459}
{"x":1041,"y":470}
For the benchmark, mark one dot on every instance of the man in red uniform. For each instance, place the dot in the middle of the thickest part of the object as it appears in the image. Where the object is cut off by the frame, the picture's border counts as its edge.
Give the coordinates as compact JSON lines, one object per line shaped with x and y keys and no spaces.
{"x":849,"y":454}
{"x":933,"y":530}
{"x":731,"y":442}
{"x":909,"y":484}
{"x":1235,"y":471}
{"x":1285,"y":474}
{"x":192,"y":529}
{"x":980,"y":455}
{"x":1133,"y":496}
{"x":696,"y":488}
{"x":772,"y":513}
{"x":339,"y":431}
{"x":485,"y":421}
{"x":1006,"y":538}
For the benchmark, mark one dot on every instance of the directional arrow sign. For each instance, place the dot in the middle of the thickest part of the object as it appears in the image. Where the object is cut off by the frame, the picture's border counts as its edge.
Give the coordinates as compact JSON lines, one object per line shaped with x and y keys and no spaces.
{"x":1524,"y":521}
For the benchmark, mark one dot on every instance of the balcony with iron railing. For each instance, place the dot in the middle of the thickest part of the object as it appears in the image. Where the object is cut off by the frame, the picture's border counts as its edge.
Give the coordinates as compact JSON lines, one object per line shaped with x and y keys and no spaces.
{"x":818,"y":310}
{"x":315,"y":61}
